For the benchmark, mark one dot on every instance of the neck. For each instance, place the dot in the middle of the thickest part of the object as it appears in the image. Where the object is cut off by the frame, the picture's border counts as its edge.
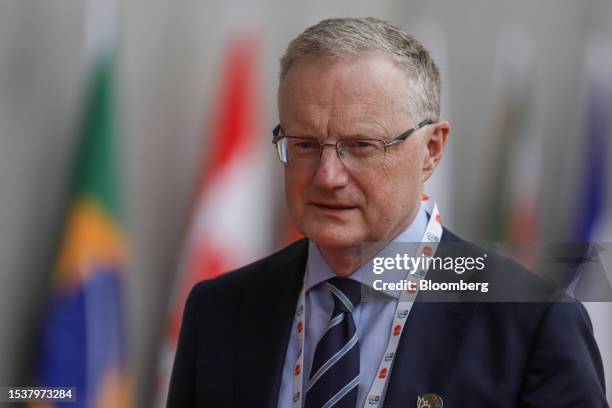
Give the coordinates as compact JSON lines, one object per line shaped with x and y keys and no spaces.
{"x":344,"y":261}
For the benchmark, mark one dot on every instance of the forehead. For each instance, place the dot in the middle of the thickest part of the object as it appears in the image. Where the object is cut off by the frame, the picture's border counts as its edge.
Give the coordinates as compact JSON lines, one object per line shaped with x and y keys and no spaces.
{"x":343,"y":92}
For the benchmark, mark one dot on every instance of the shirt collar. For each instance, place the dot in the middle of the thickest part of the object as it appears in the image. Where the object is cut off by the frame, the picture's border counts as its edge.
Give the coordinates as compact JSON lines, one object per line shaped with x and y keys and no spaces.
{"x":320,"y":271}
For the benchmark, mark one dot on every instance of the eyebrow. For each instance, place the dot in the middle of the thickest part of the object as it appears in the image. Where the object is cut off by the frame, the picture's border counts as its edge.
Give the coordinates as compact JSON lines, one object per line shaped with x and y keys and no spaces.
{"x":348,"y":135}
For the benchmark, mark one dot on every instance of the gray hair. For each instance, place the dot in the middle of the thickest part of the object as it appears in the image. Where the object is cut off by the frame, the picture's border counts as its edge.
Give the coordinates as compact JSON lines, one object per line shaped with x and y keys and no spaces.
{"x":337,"y":37}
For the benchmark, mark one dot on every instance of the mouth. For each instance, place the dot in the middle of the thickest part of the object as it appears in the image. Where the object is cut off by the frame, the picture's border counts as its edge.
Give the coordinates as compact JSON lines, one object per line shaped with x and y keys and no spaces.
{"x":333,"y":207}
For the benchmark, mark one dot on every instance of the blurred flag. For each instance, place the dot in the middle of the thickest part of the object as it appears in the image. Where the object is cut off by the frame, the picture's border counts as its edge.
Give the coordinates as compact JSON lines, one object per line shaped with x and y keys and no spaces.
{"x":230,"y":223}
{"x":512,"y":212}
{"x":591,"y":205}
{"x":82,"y":341}
{"x":593,"y":214}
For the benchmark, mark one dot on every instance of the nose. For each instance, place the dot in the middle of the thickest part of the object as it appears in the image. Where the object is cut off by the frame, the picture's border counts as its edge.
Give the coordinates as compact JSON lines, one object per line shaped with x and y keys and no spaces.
{"x":330,"y":173}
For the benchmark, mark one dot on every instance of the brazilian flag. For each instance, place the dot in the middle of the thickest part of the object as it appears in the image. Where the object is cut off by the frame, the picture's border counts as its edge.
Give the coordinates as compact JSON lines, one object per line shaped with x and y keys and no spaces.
{"x":82,"y":341}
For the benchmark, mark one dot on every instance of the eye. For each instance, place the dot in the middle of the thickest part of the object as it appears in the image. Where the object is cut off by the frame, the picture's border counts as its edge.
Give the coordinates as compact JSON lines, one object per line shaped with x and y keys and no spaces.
{"x":304,"y":145}
{"x":361,"y":145}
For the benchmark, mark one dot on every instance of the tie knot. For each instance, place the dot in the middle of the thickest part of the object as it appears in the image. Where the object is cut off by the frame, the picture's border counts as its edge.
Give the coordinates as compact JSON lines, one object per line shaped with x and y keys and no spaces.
{"x":346,"y":292}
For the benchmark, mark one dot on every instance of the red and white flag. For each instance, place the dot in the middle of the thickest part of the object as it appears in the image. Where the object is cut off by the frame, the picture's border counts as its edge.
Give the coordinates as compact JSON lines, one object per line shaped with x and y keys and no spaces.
{"x":231,"y":217}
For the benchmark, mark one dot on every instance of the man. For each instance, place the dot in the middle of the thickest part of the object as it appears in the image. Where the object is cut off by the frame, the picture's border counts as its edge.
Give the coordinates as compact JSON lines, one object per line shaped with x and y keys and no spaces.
{"x":359,"y":134}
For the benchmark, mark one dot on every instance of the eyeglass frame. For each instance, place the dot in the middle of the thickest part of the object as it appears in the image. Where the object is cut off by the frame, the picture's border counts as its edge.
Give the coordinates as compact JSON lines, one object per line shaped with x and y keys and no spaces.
{"x":276,"y":138}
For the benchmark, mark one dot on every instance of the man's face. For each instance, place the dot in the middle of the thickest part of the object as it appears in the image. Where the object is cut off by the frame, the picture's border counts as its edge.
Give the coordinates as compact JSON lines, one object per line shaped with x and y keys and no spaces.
{"x":339,"y":207}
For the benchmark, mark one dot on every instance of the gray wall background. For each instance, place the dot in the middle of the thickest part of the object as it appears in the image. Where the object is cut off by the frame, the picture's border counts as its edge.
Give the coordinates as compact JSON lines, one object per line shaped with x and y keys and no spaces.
{"x":170,"y":59}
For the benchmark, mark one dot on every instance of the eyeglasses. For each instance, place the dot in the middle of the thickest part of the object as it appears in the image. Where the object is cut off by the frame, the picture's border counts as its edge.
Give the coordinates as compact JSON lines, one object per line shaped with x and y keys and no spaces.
{"x":306,"y":152}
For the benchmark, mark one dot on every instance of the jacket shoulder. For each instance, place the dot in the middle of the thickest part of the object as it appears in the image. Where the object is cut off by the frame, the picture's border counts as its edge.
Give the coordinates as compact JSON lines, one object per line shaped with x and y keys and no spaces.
{"x":258,"y":272}
{"x":506,"y":277}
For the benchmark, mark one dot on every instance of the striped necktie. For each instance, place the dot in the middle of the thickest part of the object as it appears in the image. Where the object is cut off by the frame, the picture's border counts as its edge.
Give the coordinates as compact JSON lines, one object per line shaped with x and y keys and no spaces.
{"x":334,"y":376}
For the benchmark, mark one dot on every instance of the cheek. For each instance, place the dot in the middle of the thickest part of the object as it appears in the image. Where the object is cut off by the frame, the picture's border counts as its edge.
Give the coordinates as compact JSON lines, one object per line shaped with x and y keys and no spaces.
{"x":390,"y":193}
{"x":380,"y":198}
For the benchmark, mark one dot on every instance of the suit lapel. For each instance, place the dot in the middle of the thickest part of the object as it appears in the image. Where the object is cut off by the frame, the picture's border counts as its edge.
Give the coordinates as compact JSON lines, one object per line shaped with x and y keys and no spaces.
{"x":429,"y":344}
{"x":267,"y":312}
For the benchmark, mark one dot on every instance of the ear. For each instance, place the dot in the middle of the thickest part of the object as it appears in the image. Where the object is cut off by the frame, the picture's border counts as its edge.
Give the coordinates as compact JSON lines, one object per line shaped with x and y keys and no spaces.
{"x":436,"y":138}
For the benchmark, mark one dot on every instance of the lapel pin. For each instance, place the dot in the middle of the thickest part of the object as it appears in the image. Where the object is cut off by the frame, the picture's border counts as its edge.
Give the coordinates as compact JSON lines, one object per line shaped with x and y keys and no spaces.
{"x":429,"y":401}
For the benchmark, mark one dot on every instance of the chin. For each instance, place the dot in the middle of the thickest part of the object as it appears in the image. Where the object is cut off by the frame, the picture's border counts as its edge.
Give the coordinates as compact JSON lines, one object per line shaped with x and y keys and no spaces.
{"x":333,"y":238}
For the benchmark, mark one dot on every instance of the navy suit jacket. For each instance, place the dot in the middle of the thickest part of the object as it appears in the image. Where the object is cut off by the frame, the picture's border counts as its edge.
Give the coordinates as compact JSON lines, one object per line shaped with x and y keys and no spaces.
{"x":471,"y":353}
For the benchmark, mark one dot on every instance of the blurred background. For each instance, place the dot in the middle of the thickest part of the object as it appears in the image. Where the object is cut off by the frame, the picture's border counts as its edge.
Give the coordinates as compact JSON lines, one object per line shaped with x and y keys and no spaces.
{"x":194,"y":184}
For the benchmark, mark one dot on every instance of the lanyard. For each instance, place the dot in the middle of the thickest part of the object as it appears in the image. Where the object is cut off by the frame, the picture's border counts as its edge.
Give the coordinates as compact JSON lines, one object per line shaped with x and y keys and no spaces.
{"x":427,"y":247}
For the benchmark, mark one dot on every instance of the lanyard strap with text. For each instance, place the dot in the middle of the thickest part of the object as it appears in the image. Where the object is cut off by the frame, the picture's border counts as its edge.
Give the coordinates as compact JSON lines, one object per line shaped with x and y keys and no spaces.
{"x":427,"y":247}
